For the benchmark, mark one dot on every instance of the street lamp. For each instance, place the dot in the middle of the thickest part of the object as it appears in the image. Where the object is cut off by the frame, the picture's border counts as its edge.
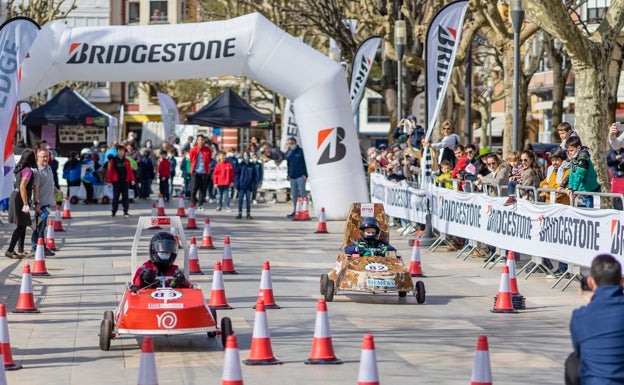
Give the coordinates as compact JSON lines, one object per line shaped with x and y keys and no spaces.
{"x":490,"y":87}
{"x":517,"y":17}
{"x":400,"y":39}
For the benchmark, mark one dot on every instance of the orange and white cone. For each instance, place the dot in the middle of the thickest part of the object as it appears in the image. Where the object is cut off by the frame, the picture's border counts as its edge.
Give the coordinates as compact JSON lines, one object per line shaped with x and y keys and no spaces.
{"x":26,"y":299}
{"x":194,"y":268}
{"x":261,"y":352}
{"x":481,"y":371}
{"x":49,"y":240}
{"x":298,"y":207}
{"x":232,"y":373}
{"x":153,"y":216}
{"x":191,"y":223}
{"x":161,"y":206}
{"x":503,"y":300}
{"x":266,"y":288}
{"x":174,"y":231}
{"x":207,"y":236}
{"x":321,"y":228}
{"x":415,"y":268}
{"x":66,"y":210}
{"x":5,"y":345}
{"x":58,"y":223}
{"x":519,"y":302}
{"x":217,"y":295}
{"x":147,"y":366}
{"x":368,"y":374}
{"x":39,"y":265}
{"x":322,"y":347}
{"x":226,"y":262}
{"x":181,"y":211}
{"x":305,"y":214}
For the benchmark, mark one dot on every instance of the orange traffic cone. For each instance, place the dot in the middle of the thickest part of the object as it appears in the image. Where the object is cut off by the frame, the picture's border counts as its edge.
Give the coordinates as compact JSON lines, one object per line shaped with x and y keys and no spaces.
{"x":3,"y":380}
{"x":305,"y":214}
{"x":217,"y":295}
{"x":58,"y":224}
{"x":232,"y":373}
{"x":194,"y":268}
{"x":50,"y":243}
{"x":66,"y":211}
{"x":181,"y":213}
{"x":322,"y":348}
{"x":519,"y":302}
{"x":503,"y":300}
{"x":26,"y":300}
{"x":161,"y":206}
{"x":174,"y":231}
{"x":266,"y":288}
{"x":414,"y":268}
{"x":322,"y":225}
{"x":298,"y":207}
{"x":153,"y":216}
{"x":147,"y":366}
{"x":207,"y":236}
{"x":191,"y":222}
{"x":368,"y":374}
{"x":226,"y":262}
{"x":5,"y":345}
{"x":481,"y":371}
{"x":39,"y":265}
{"x":261,"y":352}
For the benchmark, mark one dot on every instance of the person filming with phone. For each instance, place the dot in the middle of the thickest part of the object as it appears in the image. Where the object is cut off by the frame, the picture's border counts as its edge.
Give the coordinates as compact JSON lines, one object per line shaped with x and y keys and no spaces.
{"x":616,"y":135}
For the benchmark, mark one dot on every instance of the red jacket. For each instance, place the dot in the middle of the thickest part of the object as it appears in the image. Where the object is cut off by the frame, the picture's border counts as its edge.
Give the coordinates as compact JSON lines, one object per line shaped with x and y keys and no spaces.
{"x":206,"y":153}
{"x":223,"y":174}
{"x":111,"y":174}
{"x":168,"y":274}
{"x":164,"y":168}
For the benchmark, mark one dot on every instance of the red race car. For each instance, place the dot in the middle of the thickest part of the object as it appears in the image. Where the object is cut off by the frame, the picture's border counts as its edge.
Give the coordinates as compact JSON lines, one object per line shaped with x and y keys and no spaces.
{"x":161,"y":310}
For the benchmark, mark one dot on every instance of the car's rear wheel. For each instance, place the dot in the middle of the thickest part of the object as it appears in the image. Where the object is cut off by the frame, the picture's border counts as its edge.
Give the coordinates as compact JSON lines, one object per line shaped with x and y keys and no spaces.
{"x":324,"y":279}
{"x":108,"y":314}
{"x":329,"y":290}
{"x":402,"y":294}
{"x":106,"y":331}
{"x":226,"y":329}
{"x":419,"y":291}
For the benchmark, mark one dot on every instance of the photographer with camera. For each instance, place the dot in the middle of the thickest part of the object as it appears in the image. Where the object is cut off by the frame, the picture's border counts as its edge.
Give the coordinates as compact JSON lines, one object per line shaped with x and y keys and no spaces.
{"x":408,"y":131}
{"x":616,"y":135}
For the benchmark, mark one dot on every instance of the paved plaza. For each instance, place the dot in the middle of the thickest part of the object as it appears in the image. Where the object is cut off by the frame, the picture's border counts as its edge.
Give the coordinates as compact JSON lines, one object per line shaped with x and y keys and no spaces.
{"x":430,"y":343}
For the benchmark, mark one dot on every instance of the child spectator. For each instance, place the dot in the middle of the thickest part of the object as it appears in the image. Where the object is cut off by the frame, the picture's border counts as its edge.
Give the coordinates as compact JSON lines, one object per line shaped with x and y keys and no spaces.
{"x":446,"y":171}
{"x":223,"y":178}
{"x":164,"y":173}
{"x":582,"y":174}
{"x":146,"y":175}
{"x":531,"y":176}
{"x":89,"y":180}
{"x":557,"y":176}
{"x":171,"y":154}
{"x":515,"y":166}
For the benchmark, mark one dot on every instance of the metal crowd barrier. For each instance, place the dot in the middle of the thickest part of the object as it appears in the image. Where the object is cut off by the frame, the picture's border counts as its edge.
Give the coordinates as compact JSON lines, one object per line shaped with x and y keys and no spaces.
{"x":598,"y":196}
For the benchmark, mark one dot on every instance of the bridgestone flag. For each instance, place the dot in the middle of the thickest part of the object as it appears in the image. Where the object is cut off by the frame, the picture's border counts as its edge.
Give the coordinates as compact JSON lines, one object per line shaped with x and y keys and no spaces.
{"x":16,"y":37}
{"x":443,"y":37}
{"x":362,"y":63}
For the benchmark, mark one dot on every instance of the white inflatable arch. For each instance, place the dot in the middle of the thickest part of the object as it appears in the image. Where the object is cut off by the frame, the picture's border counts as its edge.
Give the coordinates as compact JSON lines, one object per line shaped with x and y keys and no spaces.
{"x":249,"y":45}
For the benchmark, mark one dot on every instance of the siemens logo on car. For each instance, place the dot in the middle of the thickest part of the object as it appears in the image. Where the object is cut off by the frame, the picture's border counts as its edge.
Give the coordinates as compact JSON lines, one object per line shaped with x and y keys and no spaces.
{"x":151,"y":53}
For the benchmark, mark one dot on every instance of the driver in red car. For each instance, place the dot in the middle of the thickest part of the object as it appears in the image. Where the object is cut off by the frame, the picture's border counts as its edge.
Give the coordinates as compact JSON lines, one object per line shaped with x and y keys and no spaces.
{"x":163,"y":251}
{"x":369,"y":242}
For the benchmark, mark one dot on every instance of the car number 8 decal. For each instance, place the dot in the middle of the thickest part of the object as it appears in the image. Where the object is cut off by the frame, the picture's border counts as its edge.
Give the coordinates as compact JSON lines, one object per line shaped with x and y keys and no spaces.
{"x":375,"y":266}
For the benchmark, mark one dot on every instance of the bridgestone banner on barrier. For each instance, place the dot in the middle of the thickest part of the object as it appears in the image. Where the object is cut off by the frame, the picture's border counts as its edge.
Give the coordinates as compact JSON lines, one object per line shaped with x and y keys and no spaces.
{"x":564,"y":233}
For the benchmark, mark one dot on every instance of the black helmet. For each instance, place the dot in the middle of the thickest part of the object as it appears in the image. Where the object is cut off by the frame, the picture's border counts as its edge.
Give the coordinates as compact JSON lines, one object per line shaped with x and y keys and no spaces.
{"x":369,"y":223}
{"x":163,"y":249}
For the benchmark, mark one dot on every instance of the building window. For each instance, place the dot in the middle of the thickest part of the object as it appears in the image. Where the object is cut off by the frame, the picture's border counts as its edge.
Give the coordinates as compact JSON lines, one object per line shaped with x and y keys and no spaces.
{"x":133,"y":93}
{"x":134,"y":12}
{"x":377,"y":112}
{"x":153,"y":94}
{"x":158,"y":11}
{"x":596,"y":10}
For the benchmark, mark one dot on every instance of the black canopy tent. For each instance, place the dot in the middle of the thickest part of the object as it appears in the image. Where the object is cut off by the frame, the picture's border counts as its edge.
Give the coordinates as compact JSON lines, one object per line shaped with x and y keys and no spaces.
{"x":229,"y":110}
{"x":77,"y":122}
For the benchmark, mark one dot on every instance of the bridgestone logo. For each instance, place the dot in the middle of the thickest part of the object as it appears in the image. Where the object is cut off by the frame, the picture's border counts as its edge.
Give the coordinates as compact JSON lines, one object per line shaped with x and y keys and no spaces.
{"x":82,"y":53}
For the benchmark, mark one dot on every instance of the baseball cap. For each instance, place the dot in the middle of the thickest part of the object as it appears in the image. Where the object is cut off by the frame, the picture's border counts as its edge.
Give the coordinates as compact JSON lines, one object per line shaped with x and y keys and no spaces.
{"x":411,"y":117}
{"x":292,"y":139}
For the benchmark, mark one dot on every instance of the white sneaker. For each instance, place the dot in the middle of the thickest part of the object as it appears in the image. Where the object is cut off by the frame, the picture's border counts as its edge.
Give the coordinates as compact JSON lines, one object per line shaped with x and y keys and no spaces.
{"x":255,"y":202}
{"x":201,"y":208}
{"x":391,"y":224}
{"x":228,"y":209}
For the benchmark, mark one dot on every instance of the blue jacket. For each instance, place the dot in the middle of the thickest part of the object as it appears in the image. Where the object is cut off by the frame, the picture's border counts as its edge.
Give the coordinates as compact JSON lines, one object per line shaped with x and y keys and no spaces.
{"x":296,"y":163}
{"x":246,"y":176}
{"x":597,"y":332}
{"x":370,"y":247}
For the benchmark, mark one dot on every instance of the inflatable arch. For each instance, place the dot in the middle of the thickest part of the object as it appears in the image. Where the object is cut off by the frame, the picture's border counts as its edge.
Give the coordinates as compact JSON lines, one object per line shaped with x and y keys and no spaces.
{"x":249,"y":45}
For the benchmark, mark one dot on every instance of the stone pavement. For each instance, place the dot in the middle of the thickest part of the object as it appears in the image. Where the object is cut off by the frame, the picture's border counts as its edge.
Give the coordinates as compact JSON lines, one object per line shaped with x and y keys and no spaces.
{"x":432,"y":343}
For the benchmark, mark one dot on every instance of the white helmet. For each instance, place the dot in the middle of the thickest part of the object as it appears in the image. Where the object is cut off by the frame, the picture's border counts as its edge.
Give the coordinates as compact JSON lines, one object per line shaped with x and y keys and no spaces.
{"x":85,"y":151}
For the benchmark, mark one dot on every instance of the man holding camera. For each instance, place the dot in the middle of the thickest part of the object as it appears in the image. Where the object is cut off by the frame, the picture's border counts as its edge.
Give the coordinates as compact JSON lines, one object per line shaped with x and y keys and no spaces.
{"x":616,"y":137}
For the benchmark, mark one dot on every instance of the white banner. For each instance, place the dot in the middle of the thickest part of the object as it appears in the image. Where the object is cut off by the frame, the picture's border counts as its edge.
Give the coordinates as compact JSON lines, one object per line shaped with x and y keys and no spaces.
{"x":362,"y":63}
{"x":16,"y":37}
{"x":443,"y":37}
{"x":555,"y":231}
{"x":289,"y":125}
{"x":275,"y":176}
{"x":169,"y":115}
